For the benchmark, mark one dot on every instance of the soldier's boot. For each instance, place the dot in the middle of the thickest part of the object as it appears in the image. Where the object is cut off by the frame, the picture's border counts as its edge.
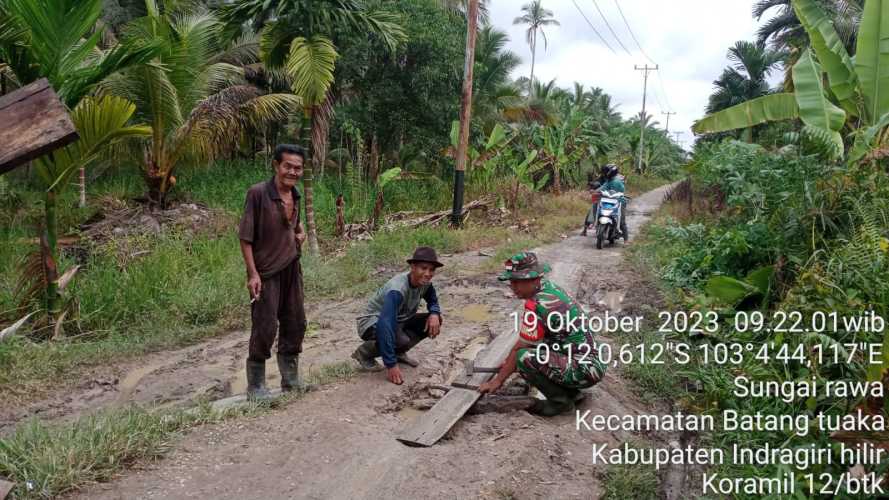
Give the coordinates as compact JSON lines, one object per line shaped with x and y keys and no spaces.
{"x":365,"y":355}
{"x":288,"y":365}
{"x":576,"y":395}
{"x":558,"y":399}
{"x":256,"y":390}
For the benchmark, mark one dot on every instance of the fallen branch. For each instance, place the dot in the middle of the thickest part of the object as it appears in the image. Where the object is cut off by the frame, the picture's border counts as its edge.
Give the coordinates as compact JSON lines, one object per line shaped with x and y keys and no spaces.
{"x":9,"y":331}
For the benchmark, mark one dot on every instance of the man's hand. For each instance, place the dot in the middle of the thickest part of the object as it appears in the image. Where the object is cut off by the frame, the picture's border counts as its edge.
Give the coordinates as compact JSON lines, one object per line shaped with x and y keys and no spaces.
{"x":394,"y":375}
{"x":489,"y":387}
{"x":254,"y":286}
{"x":300,"y":238}
{"x":433,"y":325}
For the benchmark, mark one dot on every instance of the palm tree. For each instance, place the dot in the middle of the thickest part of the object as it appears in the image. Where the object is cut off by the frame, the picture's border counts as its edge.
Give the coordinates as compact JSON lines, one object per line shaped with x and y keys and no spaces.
{"x":53,"y":40}
{"x":198,"y":104}
{"x":299,"y":36}
{"x":535,"y":17}
{"x":492,"y":91}
{"x":747,"y":78}
{"x":784,"y":32}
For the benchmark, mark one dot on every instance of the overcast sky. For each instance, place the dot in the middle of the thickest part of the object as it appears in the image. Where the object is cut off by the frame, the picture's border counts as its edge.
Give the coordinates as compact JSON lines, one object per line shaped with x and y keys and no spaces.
{"x":688,"y":39}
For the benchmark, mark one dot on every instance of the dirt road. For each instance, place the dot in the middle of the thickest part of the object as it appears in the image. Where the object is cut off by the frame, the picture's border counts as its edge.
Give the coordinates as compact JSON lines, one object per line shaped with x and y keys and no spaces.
{"x":339,"y":442}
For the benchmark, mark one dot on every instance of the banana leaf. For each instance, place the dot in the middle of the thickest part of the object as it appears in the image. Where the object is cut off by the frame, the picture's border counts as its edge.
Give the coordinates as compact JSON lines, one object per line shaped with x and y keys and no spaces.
{"x":872,"y":58}
{"x":864,"y":139}
{"x":768,"y":108}
{"x":831,"y":52}
{"x":815,"y":108}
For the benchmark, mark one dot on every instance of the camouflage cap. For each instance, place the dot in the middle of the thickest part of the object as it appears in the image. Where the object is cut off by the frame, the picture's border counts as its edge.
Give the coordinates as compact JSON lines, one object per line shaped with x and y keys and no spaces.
{"x":523,"y":266}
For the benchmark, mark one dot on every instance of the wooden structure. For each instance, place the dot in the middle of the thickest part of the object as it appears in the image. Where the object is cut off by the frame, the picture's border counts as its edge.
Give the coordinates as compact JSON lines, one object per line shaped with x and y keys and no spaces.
{"x":431,"y":426}
{"x":34,"y":122}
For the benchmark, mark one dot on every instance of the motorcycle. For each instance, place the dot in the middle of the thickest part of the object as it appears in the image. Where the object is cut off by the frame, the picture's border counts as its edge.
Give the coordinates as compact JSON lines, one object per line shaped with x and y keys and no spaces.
{"x":608,"y":217}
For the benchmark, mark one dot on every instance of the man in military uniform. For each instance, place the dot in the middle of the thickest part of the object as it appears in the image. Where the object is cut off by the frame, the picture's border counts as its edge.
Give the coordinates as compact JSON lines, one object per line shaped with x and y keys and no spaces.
{"x":569,"y":362}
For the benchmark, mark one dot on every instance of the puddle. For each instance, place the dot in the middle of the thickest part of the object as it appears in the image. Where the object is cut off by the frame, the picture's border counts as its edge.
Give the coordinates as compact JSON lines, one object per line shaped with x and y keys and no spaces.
{"x":478,"y":313}
{"x":129,"y":383}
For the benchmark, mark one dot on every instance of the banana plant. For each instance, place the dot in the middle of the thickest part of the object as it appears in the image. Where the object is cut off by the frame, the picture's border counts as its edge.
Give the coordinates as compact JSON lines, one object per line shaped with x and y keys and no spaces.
{"x":856,"y":94}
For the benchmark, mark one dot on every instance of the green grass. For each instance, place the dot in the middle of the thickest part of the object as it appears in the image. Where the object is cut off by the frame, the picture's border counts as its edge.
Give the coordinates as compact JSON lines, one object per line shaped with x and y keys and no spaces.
{"x":47,"y":460}
{"x":629,"y":482}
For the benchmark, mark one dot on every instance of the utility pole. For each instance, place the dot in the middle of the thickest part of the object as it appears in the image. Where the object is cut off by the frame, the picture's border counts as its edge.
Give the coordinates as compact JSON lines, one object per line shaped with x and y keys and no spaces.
{"x":668,"y":113}
{"x":645,"y":70}
{"x":677,"y":134}
{"x":465,"y":113}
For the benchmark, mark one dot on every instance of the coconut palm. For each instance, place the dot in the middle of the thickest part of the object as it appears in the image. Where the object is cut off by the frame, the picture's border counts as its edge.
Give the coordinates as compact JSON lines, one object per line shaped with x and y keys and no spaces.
{"x":196,"y":100}
{"x":747,"y":78}
{"x":535,"y":17}
{"x":492,"y":91}
{"x":300,"y":36}
{"x":784,"y":31}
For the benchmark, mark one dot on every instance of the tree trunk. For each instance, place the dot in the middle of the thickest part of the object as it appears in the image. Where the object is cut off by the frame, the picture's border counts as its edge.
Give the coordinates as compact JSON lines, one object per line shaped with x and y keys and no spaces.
{"x":533,"y":58}
{"x":48,"y":248}
{"x":378,"y":210}
{"x":82,"y":187}
{"x":340,"y":216}
{"x":320,"y":126}
{"x":557,"y":179}
{"x":374,"y":159}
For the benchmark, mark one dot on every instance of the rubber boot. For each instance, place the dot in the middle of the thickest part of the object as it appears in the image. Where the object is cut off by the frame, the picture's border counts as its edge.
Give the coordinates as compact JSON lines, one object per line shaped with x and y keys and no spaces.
{"x":401,"y":352}
{"x":365,"y":355}
{"x":256,"y":390}
{"x":288,"y":365}
{"x":558,"y":399}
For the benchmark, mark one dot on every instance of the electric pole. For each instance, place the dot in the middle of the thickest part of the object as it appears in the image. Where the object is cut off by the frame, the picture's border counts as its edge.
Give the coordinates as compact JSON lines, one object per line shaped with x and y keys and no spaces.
{"x":677,"y":134}
{"x":645,"y":70}
{"x":668,"y":113}
{"x":465,"y":113}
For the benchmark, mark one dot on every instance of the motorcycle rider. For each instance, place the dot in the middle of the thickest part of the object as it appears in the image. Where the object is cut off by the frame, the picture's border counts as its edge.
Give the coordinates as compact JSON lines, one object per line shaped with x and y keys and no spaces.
{"x":609,"y":180}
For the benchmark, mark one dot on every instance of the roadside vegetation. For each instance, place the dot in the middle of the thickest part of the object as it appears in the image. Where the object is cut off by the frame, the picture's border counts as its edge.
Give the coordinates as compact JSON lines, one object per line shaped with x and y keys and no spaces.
{"x":790,"y":219}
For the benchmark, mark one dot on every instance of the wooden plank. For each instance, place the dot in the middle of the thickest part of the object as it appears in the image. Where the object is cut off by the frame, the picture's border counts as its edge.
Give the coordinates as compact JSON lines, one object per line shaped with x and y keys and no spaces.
{"x":34,"y":122}
{"x":429,"y":427}
{"x":5,"y":488}
{"x":491,"y":356}
{"x":239,"y":399}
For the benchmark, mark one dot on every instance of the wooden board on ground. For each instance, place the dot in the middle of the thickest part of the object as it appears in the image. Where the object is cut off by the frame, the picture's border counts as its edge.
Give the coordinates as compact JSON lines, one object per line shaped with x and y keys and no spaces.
{"x":492,"y":356}
{"x":5,"y":488}
{"x":431,"y":426}
{"x":226,"y":403}
{"x":34,"y":122}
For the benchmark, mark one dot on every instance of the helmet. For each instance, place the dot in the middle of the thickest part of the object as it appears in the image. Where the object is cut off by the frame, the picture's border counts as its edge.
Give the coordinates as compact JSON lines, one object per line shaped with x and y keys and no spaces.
{"x":610,"y":171}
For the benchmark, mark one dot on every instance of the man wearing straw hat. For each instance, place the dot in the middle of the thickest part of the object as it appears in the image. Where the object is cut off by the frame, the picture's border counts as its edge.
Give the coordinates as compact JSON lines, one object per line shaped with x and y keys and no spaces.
{"x":569,"y":361}
{"x":391,"y":325}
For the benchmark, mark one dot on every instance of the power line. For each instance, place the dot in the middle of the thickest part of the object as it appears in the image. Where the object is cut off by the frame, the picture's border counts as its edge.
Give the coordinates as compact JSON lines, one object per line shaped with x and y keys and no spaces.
{"x":610,"y":29}
{"x":593,"y":27}
{"x":632,"y":35}
{"x":639,"y":46}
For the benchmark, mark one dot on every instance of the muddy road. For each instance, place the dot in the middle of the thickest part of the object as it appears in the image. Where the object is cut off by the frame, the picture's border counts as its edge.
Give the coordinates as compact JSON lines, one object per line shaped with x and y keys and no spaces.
{"x":339,"y":442}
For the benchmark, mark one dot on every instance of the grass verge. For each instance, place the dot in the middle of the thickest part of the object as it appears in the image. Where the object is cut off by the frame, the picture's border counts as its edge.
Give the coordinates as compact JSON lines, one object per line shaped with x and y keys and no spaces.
{"x":629,"y":482}
{"x":47,"y":460}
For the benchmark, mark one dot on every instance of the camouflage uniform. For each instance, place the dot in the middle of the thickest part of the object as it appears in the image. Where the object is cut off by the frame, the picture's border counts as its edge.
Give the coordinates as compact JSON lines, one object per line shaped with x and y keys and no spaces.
{"x":573,"y":361}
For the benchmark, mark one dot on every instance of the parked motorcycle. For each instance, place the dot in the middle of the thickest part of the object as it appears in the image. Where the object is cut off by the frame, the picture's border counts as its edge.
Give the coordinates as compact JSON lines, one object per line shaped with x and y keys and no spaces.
{"x":608,"y":217}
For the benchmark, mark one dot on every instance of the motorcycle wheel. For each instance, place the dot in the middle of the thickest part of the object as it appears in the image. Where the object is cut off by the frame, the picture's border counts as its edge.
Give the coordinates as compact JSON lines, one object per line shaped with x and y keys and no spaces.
{"x":600,"y":235}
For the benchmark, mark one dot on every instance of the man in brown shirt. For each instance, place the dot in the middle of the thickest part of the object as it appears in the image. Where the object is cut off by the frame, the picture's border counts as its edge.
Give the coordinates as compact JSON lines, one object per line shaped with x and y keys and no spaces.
{"x":271,"y":236}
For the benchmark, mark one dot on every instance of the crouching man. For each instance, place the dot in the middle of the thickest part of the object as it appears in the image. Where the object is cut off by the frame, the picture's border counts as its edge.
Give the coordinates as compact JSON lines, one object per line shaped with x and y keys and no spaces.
{"x":391,"y":326}
{"x":271,"y":236}
{"x":560,"y":376}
